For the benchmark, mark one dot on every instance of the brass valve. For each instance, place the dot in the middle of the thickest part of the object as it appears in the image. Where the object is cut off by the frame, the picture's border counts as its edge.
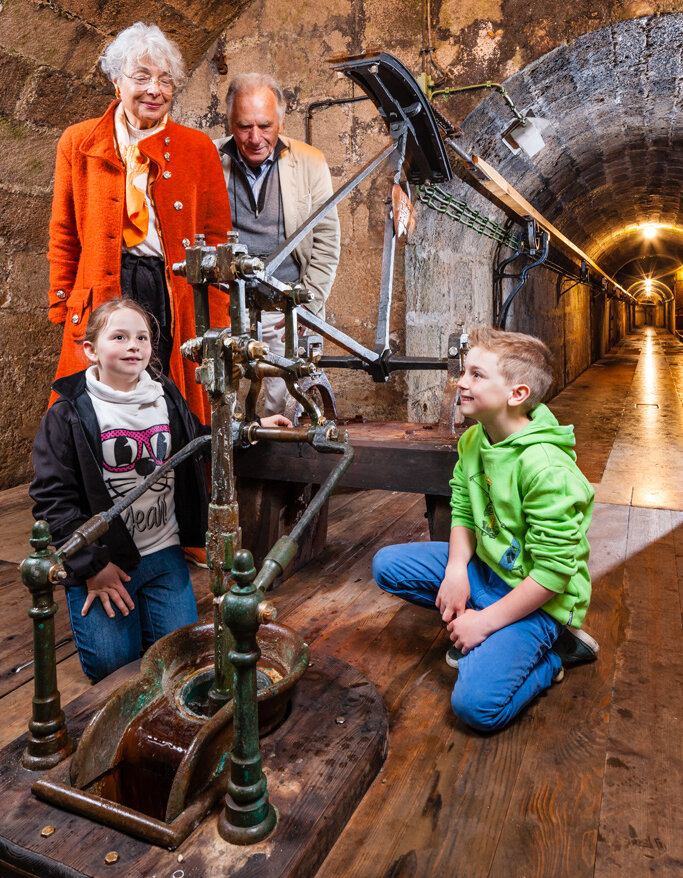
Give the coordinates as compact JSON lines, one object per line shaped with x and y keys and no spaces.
{"x":56,"y":574}
{"x":192,"y":349}
{"x":257,"y":349}
{"x":266,"y":612}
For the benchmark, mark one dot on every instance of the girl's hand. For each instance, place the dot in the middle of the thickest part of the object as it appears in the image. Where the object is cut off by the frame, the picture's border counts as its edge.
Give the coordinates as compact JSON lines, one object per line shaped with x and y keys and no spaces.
{"x":108,"y":585}
{"x":276,"y":421}
{"x":469,"y":630}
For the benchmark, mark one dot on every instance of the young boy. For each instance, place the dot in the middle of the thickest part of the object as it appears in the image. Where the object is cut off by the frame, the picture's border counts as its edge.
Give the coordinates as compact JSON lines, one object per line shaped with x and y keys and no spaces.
{"x":514,"y":572}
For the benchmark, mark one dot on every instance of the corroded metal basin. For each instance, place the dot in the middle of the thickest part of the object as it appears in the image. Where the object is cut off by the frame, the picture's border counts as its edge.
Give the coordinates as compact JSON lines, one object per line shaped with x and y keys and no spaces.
{"x":152,"y":760}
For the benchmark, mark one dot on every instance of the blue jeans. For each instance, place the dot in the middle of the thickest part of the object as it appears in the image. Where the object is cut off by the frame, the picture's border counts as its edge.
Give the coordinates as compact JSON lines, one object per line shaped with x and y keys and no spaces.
{"x":505,"y":672}
{"x":162,"y":592}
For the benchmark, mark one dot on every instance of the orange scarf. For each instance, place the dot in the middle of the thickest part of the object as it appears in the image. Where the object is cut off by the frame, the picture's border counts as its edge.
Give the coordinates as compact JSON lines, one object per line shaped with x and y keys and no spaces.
{"x":136,"y":216}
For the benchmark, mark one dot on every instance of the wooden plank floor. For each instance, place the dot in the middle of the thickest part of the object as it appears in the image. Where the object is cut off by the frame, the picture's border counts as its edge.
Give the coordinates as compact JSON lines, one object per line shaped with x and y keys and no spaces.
{"x":587,"y":781}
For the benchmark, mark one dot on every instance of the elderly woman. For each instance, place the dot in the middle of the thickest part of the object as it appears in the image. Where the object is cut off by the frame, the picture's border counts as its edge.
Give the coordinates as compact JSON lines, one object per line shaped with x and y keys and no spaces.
{"x":132,"y":188}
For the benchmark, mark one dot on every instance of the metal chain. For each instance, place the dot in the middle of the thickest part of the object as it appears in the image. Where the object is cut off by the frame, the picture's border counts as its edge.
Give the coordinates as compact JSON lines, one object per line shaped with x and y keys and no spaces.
{"x":439,"y":200}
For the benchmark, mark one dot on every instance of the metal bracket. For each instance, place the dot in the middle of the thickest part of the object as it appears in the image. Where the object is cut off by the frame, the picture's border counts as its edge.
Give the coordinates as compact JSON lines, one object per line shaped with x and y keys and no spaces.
{"x":584,"y":278}
{"x":534,"y":248}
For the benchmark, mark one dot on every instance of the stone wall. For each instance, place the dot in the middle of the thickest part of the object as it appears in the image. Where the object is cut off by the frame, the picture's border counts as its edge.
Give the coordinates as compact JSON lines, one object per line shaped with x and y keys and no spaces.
{"x":48,"y":53}
{"x":48,"y":67}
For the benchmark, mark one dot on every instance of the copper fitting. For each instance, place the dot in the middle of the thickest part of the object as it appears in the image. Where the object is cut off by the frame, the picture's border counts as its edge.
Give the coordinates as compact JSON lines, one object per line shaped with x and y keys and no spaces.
{"x":266,"y":612}
{"x":257,"y":349}
{"x":56,"y":574}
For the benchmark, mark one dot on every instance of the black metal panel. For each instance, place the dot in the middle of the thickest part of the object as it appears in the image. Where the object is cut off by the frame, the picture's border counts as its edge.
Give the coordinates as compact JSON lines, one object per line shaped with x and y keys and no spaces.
{"x":400,"y":101}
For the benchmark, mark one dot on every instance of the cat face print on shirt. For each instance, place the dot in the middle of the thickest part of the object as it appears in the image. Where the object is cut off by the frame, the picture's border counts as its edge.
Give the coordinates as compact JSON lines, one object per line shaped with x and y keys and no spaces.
{"x":130,"y":455}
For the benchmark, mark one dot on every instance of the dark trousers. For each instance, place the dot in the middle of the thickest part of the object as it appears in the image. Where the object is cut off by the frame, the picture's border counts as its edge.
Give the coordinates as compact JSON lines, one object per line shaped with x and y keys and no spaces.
{"x":143,"y":279}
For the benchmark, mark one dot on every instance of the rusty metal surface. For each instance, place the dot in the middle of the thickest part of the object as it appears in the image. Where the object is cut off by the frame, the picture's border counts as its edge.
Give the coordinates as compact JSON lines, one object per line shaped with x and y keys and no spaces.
{"x":142,"y":746}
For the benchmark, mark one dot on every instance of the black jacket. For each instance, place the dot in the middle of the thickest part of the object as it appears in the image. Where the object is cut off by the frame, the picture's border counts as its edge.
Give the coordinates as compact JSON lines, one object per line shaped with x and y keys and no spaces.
{"x":69,"y":488}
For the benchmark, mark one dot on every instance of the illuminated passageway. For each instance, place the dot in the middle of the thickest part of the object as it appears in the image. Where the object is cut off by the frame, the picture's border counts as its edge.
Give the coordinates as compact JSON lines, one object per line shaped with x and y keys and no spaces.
{"x":646,"y":457}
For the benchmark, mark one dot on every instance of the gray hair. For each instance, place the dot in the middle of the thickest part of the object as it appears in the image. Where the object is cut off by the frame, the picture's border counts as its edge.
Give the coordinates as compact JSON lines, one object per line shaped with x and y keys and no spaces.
{"x":250,"y":82}
{"x":140,"y":41}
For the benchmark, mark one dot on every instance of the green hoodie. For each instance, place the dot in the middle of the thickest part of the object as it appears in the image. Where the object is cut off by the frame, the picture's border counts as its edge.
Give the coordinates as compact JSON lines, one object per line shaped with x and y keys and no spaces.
{"x":529,"y":506}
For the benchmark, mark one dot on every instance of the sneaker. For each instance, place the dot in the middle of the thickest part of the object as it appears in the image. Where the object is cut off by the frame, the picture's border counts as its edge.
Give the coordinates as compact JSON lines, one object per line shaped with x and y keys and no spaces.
{"x":559,"y":676}
{"x":453,"y":656}
{"x":574,"y":646}
{"x":195,"y":555}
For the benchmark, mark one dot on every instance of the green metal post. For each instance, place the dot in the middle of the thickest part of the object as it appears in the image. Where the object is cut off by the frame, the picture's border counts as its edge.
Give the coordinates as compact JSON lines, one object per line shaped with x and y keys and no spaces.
{"x":48,"y":741}
{"x":248,"y":816}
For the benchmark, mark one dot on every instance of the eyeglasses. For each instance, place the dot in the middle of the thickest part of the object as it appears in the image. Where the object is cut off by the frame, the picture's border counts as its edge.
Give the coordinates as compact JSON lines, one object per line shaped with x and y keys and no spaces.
{"x":143,"y":80}
{"x":122,"y":449}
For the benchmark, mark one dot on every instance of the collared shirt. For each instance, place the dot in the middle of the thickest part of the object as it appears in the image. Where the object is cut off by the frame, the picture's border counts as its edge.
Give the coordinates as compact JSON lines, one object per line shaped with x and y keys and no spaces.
{"x":256,"y":176}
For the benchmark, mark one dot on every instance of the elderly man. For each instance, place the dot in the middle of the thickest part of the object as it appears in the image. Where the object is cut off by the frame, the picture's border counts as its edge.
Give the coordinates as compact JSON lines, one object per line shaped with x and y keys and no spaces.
{"x":275,"y":183}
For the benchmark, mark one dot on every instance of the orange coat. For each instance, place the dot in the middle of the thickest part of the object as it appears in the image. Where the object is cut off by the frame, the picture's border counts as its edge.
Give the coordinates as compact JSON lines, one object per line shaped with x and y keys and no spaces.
{"x":86,"y":232}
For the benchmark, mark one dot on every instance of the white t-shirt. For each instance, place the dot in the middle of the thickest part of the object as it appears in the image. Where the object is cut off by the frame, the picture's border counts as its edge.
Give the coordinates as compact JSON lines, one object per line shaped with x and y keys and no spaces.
{"x":136,"y":439}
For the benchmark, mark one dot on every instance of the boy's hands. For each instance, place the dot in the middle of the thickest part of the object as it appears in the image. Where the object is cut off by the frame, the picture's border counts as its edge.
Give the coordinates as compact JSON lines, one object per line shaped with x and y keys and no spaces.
{"x":469,"y":630}
{"x":454,"y":592}
{"x":472,"y":627}
{"x":108,"y":585}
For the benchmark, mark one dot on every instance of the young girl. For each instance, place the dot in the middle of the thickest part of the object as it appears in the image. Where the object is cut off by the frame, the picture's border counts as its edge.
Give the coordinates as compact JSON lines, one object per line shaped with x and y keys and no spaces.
{"x":110,"y":427}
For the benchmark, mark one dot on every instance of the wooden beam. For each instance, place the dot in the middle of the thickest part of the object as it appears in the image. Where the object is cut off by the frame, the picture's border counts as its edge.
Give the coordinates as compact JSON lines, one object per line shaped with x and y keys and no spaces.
{"x":497,"y":185}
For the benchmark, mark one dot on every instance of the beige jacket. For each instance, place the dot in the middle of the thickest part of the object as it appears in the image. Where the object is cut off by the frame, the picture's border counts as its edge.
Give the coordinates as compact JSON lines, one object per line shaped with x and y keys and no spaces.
{"x":305,"y":183}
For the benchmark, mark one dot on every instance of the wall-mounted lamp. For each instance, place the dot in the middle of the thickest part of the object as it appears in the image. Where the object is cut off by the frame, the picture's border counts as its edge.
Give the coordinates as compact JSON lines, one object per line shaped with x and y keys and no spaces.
{"x":523,"y":134}
{"x":649,"y":231}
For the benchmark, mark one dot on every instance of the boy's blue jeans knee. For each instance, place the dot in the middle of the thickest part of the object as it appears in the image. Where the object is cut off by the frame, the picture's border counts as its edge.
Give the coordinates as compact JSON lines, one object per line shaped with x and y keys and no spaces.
{"x":161,"y":590}
{"x":505,"y":672}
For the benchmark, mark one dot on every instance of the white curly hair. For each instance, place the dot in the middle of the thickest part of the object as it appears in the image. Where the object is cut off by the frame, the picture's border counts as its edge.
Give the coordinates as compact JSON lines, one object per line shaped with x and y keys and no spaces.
{"x":138,"y":42}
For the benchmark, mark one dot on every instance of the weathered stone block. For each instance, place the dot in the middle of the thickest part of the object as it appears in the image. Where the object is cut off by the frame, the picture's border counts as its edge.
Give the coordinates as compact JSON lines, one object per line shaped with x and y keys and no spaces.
{"x":27,"y":155}
{"x":66,"y":44}
{"x":14,"y":71}
{"x":24,"y":218}
{"x":57,"y":100}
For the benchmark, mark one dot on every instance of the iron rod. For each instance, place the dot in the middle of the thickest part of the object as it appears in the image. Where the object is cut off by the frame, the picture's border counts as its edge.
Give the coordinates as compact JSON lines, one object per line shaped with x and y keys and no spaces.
{"x":294,"y":239}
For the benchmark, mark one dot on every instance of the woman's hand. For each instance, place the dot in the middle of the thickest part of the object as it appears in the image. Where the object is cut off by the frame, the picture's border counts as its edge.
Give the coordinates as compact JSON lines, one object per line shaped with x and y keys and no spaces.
{"x":276,"y":421}
{"x":108,"y":585}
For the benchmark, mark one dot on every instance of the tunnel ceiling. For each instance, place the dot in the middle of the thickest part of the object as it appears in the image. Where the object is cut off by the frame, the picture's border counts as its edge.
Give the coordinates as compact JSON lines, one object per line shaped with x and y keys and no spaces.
{"x":613,"y":158}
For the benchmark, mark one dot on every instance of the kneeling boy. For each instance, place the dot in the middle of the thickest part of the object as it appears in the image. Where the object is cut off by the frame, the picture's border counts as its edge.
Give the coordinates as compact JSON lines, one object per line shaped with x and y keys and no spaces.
{"x":514,"y":572}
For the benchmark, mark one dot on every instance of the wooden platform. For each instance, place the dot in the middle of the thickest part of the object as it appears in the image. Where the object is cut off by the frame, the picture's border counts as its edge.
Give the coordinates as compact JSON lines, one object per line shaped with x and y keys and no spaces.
{"x":337,"y":718}
{"x":587,"y":781}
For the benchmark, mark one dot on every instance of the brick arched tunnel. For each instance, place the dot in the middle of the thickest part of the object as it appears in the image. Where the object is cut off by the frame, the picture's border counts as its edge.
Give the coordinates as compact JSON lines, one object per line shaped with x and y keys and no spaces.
{"x":611,"y":165}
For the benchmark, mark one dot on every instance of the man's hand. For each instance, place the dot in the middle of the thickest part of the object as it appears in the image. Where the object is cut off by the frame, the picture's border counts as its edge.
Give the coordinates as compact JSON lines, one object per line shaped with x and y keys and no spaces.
{"x":108,"y":585}
{"x":276,"y":421}
{"x":469,"y":629}
{"x":281,"y":325}
{"x":454,"y":592}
